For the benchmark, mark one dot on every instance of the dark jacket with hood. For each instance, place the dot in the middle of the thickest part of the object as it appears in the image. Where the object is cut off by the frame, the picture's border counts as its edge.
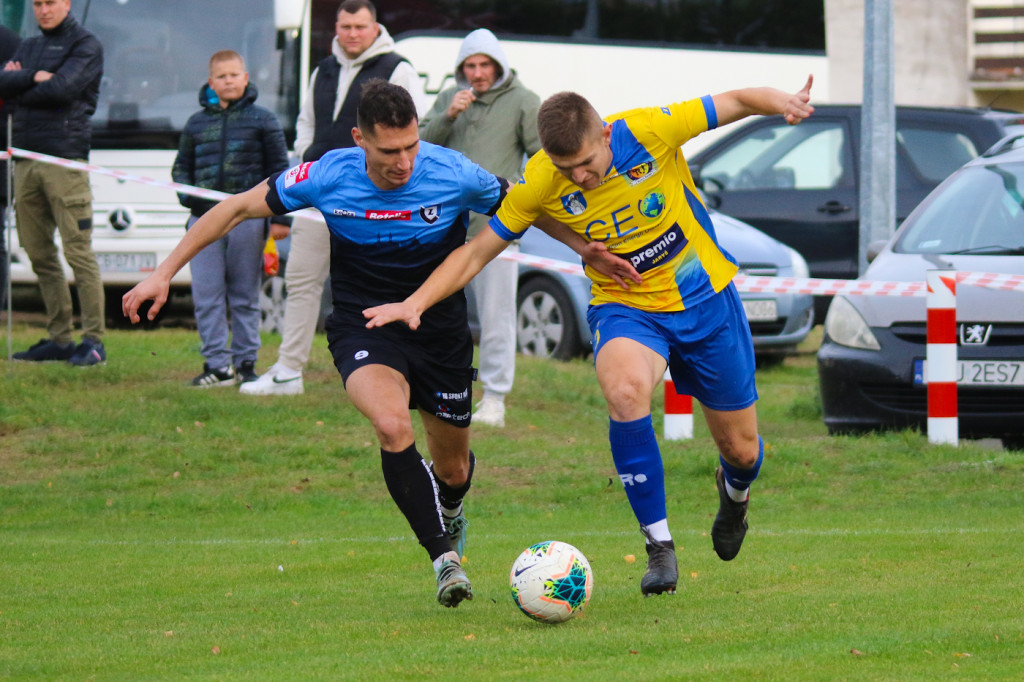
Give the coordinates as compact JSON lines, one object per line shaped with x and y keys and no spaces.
{"x":229,"y":149}
{"x":54,"y":117}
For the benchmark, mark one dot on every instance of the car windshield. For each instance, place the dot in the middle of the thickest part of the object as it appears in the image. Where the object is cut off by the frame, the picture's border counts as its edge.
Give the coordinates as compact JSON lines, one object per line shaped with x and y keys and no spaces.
{"x":979,"y":211}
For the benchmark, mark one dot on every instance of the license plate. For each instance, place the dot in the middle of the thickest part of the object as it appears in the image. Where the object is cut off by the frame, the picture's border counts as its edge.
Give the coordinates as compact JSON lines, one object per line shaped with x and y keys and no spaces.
{"x":980,"y":372}
{"x":126,"y":262}
{"x":761,"y":311}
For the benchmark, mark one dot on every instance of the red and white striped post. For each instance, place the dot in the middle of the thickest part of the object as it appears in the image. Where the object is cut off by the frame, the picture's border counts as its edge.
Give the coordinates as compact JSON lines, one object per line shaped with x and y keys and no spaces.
{"x":941,"y":365}
{"x":678,"y":412}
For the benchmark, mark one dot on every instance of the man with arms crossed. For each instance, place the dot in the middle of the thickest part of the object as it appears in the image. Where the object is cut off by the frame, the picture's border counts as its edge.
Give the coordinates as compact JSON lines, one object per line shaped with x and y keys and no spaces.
{"x":624,"y":182}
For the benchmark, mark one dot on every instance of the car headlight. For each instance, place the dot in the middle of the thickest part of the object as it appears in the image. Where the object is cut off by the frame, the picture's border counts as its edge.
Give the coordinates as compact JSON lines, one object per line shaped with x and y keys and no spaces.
{"x":845,"y":326}
{"x":799,"y":265}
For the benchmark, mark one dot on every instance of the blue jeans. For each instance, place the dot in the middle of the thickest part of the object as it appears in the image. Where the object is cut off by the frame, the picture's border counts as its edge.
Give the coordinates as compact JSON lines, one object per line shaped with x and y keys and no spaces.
{"x":226,"y":279}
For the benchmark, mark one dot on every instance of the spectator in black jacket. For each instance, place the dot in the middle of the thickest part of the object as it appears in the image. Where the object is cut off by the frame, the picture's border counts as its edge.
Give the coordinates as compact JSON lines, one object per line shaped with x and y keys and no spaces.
{"x":9,"y":41}
{"x":54,"y":81}
{"x":230,"y":145}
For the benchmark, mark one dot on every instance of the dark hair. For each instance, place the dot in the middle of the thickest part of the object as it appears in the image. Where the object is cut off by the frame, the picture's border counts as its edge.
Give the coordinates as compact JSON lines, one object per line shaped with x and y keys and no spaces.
{"x":384,"y":104}
{"x":353,"y":6}
{"x":564,"y":121}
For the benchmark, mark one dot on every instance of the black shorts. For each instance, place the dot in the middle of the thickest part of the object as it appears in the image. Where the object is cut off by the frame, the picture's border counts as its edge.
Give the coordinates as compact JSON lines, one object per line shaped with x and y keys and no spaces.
{"x":437,"y":367}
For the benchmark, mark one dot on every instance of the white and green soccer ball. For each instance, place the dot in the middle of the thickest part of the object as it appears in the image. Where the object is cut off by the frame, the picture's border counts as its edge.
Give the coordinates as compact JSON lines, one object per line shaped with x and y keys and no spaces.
{"x":551,"y":581}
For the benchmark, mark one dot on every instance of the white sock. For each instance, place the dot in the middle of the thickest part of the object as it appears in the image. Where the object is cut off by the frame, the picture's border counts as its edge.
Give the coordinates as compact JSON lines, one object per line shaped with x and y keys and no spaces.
{"x":451,"y":513}
{"x":659,"y":531}
{"x":447,"y":556}
{"x":735,"y":494}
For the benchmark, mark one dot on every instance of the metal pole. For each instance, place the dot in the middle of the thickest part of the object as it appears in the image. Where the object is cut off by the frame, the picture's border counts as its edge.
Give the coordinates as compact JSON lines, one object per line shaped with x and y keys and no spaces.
{"x":8,"y":226}
{"x":878,"y":130}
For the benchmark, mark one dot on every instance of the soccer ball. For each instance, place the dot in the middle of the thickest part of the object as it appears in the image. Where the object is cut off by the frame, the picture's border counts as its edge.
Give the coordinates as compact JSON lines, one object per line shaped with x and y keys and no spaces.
{"x":551,"y":581}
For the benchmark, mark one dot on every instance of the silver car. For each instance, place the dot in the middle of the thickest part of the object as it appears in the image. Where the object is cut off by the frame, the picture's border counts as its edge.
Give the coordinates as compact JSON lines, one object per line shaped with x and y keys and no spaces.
{"x":870,"y":364}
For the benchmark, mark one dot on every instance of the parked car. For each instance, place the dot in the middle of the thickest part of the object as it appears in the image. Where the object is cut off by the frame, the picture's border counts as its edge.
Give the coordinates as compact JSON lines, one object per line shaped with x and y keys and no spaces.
{"x":552,"y":306}
{"x":871,"y":360}
{"x":799,"y":184}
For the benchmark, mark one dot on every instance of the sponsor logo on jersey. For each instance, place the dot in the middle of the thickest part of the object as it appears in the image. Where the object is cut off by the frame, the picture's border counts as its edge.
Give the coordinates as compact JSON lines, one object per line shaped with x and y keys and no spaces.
{"x":660,"y":251}
{"x":430,"y":214}
{"x":575,"y":203}
{"x":297,"y":174}
{"x":344,"y":213}
{"x":388,"y":215}
{"x":641,"y":172}
{"x":652,"y":204}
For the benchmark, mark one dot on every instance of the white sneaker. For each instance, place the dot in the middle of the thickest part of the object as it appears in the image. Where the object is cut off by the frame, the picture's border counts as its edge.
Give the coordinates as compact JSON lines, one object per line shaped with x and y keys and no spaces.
{"x":490,"y":412}
{"x":278,"y":380}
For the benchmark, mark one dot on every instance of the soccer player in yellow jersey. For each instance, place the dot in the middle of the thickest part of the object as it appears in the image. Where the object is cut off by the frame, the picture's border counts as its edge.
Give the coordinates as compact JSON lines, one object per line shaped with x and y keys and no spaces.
{"x":622,"y":186}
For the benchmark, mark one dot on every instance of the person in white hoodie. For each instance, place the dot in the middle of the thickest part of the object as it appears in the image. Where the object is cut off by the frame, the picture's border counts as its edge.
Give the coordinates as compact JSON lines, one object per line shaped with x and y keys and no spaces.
{"x":361,"y":50}
{"x":491,"y":117}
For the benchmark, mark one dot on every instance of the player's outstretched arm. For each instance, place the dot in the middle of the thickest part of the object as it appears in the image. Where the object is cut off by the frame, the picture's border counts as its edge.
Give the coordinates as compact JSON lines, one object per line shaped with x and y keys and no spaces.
{"x":594,"y":254}
{"x":453,"y":274}
{"x":213,"y":225}
{"x":737,"y":104}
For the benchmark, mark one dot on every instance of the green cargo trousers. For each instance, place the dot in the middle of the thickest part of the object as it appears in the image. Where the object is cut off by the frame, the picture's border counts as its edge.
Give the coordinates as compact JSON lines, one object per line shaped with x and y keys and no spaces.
{"x":49,"y":199}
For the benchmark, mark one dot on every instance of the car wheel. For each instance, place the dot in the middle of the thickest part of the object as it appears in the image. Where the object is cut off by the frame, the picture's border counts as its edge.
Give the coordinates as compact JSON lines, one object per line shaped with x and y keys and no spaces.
{"x":272,"y":297}
{"x":545,"y":323}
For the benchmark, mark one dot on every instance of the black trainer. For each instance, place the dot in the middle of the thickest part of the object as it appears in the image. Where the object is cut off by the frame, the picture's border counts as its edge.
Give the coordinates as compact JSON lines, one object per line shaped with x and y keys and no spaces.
{"x":46,"y":351}
{"x":88,"y":353}
{"x":215,"y":377}
{"x":662,"y":571}
{"x":246,"y":371}
{"x":730,"y":526}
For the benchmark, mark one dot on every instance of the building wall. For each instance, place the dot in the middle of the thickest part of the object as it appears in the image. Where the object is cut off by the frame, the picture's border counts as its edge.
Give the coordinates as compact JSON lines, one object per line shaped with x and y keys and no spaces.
{"x":929,"y":46}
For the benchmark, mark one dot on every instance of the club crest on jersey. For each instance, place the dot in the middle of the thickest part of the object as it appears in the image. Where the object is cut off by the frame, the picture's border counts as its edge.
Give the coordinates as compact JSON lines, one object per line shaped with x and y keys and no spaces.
{"x":297,"y":174}
{"x":388,"y":215}
{"x":641,"y":172}
{"x":430,"y":214}
{"x":575,"y":203}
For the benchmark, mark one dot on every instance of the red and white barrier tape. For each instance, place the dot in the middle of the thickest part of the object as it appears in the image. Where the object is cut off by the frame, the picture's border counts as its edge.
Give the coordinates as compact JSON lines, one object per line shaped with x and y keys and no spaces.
{"x":131,"y":177}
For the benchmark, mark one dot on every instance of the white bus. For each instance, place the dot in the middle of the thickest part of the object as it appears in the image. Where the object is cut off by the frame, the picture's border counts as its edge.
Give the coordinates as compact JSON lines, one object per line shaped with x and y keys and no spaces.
{"x":618,"y":53}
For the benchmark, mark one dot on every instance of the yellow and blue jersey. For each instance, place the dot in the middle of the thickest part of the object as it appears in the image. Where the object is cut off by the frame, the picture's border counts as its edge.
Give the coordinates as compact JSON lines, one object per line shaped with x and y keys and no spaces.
{"x":646,"y":210}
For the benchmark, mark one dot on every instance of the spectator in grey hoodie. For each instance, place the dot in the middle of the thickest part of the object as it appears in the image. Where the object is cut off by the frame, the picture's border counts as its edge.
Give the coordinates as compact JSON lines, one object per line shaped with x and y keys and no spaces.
{"x":491,"y":117}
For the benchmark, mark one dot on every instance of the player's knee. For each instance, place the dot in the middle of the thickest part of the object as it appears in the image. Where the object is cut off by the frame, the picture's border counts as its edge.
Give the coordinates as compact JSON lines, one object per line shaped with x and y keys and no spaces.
{"x":394,"y":431}
{"x":626,"y":399}
{"x":739,"y":451}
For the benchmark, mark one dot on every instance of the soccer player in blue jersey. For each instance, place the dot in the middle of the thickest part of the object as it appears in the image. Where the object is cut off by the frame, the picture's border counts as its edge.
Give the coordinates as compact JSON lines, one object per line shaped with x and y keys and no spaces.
{"x":395,"y":208}
{"x":624,"y":182}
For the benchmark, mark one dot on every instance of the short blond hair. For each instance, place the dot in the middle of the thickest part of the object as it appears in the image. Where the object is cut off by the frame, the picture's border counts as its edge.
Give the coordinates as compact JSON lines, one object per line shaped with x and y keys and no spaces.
{"x":226,"y":56}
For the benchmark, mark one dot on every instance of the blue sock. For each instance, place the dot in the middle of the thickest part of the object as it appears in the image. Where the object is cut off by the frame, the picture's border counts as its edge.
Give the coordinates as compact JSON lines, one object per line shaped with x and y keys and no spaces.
{"x":742,"y":478}
{"x":638,"y":462}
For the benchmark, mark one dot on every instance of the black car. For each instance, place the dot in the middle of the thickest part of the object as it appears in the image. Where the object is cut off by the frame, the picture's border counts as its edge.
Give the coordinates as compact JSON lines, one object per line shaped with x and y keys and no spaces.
{"x":872,"y":360}
{"x":799,"y":184}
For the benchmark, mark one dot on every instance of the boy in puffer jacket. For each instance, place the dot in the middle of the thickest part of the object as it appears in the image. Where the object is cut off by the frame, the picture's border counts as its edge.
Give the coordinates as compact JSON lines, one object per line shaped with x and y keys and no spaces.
{"x":230,"y":145}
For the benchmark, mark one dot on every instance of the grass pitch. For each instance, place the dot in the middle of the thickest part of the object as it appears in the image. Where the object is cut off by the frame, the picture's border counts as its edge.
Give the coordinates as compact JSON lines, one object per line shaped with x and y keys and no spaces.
{"x":149,"y":530}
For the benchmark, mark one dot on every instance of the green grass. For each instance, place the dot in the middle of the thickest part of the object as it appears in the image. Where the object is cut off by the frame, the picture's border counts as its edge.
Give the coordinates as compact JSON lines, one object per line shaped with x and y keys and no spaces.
{"x":153,"y":531}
